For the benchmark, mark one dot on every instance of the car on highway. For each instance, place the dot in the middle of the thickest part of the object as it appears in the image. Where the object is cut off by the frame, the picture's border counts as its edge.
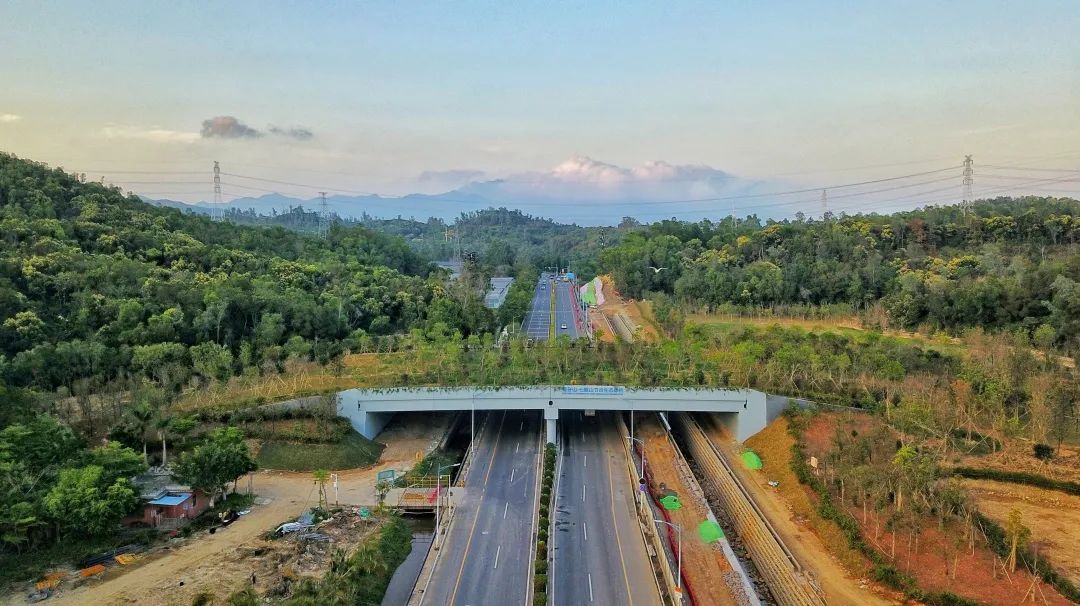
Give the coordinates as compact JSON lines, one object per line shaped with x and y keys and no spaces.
{"x":563,"y":327}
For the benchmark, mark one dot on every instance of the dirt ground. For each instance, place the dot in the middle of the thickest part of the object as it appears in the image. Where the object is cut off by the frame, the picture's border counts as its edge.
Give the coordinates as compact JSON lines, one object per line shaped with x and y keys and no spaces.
{"x":206,"y":561}
{"x":1052,"y":516}
{"x":704,"y":566}
{"x":799,"y":530}
{"x":937,"y":553}
{"x":638,"y":313}
{"x":1064,"y":466}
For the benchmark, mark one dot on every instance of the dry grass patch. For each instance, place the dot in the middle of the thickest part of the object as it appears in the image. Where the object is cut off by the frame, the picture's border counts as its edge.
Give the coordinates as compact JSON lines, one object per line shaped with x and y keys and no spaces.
{"x":773,"y":444}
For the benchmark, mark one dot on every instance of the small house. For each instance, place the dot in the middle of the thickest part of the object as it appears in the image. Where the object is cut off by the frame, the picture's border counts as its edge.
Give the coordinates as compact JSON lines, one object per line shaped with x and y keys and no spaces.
{"x":166,"y":504}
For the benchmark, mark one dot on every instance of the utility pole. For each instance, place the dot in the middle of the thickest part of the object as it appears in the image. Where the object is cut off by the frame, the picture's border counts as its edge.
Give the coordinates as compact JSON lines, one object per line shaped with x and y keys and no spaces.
{"x":824,"y":205}
{"x":323,"y":214}
{"x":969,"y":179}
{"x":216,"y":213}
{"x":734,"y":221}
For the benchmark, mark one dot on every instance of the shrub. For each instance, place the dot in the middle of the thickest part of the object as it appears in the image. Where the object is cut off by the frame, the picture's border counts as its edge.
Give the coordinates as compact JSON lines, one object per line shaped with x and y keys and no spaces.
{"x":542,"y":534}
{"x":540,"y":598}
{"x":541,"y":566}
{"x":1018,"y":477}
{"x":1043,"y":452}
{"x":540,"y":580}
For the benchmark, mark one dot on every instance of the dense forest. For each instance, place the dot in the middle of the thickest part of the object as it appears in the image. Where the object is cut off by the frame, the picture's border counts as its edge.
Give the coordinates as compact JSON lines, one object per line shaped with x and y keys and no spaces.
{"x":96,"y":286}
{"x":503,"y":239}
{"x":1006,"y":263}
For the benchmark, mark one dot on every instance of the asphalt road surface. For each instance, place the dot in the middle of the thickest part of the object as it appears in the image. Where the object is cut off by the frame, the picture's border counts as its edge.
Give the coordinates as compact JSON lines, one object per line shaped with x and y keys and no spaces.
{"x":538,"y":320}
{"x":600,"y":557}
{"x":564,"y":310}
{"x":488,"y":549}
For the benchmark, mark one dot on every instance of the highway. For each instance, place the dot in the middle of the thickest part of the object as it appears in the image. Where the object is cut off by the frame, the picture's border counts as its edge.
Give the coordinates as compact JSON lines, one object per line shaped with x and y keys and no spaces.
{"x":538,"y":319}
{"x":488,"y":549}
{"x":564,"y":310}
{"x":599,"y":554}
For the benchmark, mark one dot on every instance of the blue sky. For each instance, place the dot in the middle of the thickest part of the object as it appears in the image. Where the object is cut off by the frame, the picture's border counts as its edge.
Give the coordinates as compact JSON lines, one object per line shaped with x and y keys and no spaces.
{"x":393,"y":89}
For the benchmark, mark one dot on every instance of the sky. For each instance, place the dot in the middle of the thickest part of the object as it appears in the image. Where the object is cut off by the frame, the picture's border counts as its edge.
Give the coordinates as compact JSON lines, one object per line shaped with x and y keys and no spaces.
{"x":400,"y":97}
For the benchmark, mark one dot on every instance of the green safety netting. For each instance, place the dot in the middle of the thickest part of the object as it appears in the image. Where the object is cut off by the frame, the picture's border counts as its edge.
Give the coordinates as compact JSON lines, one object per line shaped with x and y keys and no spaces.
{"x":671,"y":502}
{"x":588,"y":294}
{"x":750,"y":460}
{"x":710,"y":531}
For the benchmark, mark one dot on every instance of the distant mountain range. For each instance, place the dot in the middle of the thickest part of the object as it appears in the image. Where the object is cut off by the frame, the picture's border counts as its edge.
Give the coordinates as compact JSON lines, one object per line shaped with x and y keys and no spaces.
{"x":580,"y":190}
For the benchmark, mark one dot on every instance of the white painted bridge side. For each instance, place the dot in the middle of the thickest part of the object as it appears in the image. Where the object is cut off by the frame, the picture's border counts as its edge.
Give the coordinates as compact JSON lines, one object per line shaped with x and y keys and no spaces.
{"x":370,"y":409}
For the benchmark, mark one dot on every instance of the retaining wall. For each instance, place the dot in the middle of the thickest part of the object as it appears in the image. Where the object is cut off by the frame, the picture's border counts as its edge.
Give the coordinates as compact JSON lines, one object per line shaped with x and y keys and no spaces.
{"x":781,"y":571}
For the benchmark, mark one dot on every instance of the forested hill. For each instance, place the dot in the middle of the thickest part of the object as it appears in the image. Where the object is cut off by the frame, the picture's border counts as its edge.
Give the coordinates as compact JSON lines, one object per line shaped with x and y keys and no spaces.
{"x":503,"y":238}
{"x":97,"y":286}
{"x":1007,"y":263}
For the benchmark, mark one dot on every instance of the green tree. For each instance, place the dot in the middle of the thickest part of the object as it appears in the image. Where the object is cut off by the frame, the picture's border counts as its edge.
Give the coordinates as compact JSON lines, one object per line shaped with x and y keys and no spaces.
{"x":212,"y":360}
{"x":221,"y":458}
{"x":82,"y":502}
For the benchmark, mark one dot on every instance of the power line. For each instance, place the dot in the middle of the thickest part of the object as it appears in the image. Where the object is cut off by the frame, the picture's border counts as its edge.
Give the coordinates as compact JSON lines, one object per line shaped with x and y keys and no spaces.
{"x":304,"y":185}
{"x":1023,"y":168}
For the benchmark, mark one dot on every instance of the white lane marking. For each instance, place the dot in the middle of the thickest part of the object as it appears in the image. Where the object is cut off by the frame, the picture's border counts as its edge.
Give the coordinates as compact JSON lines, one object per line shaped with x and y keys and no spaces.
{"x":516,"y":446}
{"x":512,"y":472}
{"x":585,"y":527}
{"x":586,"y":461}
{"x":590,"y":587}
{"x":497,"y":550}
{"x":505,"y":507}
{"x":522,"y":426}
{"x":582,"y":493}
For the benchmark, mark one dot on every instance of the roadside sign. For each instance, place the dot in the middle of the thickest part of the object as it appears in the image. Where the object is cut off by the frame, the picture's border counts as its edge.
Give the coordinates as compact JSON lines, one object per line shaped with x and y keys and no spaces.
{"x":641,"y":484}
{"x":596,"y":390}
{"x":364,"y":513}
{"x":386,"y":474}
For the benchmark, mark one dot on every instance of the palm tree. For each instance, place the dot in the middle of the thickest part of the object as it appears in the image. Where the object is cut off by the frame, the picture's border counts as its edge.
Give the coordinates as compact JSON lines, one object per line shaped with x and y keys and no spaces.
{"x":142,"y":413}
{"x":162,"y":425}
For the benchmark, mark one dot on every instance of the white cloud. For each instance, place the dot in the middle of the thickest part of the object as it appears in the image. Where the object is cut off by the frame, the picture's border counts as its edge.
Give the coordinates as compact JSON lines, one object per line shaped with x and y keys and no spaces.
{"x":584,"y":179}
{"x":10,"y":118}
{"x":154,"y":135}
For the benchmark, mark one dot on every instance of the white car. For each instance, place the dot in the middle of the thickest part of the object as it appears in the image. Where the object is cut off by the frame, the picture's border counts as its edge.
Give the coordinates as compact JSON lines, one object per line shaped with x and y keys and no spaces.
{"x":563,"y":327}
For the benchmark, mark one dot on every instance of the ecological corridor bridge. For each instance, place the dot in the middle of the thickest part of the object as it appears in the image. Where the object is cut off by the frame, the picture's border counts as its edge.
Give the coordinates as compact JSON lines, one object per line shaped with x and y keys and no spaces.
{"x":369,"y":410}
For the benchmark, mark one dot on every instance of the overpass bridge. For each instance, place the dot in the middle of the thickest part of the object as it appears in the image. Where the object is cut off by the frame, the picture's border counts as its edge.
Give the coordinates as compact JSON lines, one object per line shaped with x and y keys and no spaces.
{"x":744,"y":411}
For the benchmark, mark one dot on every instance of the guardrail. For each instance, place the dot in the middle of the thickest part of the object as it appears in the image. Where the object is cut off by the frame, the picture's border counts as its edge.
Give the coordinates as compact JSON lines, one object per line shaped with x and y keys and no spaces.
{"x":645,"y":522}
{"x":781,"y":571}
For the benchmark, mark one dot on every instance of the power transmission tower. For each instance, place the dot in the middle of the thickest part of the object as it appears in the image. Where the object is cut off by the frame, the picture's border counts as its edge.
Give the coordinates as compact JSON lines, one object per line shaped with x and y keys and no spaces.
{"x":215,"y":212}
{"x":969,"y":179}
{"x":324,"y":215}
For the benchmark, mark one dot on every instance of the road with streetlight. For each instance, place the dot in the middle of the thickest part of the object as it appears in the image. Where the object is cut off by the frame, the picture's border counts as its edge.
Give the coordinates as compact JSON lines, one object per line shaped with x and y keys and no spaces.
{"x":566,"y":312}
{"x":537,"y":323}
{"x":599,"y":554}
{"x":488,"y":550}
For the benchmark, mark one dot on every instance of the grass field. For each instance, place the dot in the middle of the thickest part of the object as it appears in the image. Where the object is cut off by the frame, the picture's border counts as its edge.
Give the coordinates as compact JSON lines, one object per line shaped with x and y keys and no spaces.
{"x":351,"y":452}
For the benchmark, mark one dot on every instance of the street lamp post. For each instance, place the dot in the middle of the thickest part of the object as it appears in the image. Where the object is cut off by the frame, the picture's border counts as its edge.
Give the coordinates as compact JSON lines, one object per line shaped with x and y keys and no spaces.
{"x":641,"y":475}
{"x":438,"y":497}
{"x":678,"y":532}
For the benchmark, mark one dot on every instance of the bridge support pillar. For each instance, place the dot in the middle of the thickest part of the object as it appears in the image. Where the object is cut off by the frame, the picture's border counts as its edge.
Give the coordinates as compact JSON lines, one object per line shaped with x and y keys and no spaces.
{"x":551,"y":418}
{"x":366,"y":423}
